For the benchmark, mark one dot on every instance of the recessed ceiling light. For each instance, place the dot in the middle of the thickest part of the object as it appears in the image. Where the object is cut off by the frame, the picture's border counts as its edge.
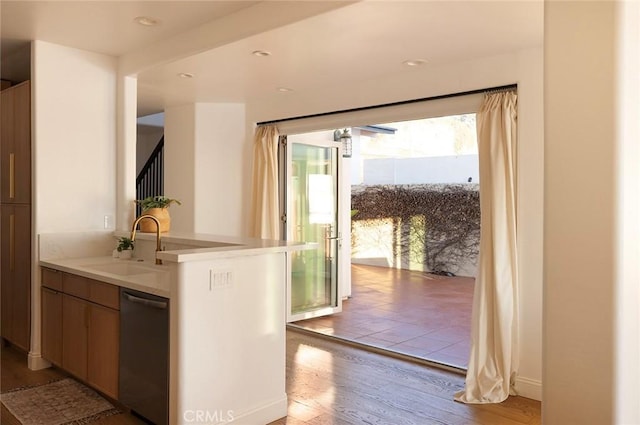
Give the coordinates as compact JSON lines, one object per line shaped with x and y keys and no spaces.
{"x":414,"y":62}
{"x":146,"y":21}
{"x":261,"y":53}
{"x":284,"y":89}
{"x":185,"y":75}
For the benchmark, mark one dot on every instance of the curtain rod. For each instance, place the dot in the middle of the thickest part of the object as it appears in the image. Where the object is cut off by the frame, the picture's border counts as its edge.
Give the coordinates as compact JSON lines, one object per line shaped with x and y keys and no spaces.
{"x":404,"y":102}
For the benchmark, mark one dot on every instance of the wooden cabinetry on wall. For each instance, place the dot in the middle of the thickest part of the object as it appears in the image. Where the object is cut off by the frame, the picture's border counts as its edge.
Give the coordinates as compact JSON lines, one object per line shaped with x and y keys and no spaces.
{"x":15,"y":221}
{"x":81,"y":328}
{"x":15,"y":213}
{"x":15,"y":152}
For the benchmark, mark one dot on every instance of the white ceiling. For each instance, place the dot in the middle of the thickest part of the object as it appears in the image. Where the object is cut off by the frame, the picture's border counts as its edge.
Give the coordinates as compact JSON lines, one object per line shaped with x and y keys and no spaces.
{"x":106,"y":26}
{"x":363,"y":40}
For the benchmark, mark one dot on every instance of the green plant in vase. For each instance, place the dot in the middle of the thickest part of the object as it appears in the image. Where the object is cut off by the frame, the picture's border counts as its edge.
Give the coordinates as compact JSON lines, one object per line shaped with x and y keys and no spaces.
{"x":156,"y":206}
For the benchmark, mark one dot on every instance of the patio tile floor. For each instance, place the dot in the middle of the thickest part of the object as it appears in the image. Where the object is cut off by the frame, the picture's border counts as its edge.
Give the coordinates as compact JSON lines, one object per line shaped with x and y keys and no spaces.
{"x":414,"y":313}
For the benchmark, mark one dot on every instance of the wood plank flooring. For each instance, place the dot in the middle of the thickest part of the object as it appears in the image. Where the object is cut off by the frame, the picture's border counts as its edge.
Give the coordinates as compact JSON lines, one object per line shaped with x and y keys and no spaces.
{"x":14,"y":373}
{"x":330,"y":383}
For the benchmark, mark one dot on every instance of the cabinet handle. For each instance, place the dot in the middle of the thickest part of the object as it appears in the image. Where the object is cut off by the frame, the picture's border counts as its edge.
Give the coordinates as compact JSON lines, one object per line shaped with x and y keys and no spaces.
{"x":144,"y":301}
{"x":12,"y":175}
{"x":45,"y":289}
{"x":12,"y":242}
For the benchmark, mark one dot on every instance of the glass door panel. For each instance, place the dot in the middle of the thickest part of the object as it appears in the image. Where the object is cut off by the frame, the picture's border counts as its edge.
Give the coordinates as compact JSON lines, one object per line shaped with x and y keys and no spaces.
{"x":312,"y":216}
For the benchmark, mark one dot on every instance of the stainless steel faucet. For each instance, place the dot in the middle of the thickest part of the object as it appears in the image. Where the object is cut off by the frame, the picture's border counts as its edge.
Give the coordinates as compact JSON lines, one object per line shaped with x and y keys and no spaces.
{"x":133,"y":233}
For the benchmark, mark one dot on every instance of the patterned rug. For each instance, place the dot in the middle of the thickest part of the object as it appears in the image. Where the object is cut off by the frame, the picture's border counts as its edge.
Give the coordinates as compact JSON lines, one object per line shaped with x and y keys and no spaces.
{"x":60,"y":402}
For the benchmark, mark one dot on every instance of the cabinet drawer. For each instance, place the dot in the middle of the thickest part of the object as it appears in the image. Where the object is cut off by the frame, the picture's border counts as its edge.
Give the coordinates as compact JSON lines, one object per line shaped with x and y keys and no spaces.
{"x":52,"y":279}
{"x":104,"y":293}
{"x":75,"y":285}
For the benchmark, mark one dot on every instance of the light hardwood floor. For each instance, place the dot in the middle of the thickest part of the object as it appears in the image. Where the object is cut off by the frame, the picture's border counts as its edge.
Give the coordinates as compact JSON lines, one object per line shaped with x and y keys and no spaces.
{"x":332,"y":383}
{"x":14,"y":373}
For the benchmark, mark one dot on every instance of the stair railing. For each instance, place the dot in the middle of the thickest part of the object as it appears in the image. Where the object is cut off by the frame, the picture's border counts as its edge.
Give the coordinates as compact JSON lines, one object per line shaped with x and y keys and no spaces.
{"x":150,"y":180}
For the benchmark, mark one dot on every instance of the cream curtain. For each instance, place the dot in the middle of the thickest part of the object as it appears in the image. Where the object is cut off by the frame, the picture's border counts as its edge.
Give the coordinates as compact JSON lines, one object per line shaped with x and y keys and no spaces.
{"x":265,"y":219}
{"x":493,"y":360}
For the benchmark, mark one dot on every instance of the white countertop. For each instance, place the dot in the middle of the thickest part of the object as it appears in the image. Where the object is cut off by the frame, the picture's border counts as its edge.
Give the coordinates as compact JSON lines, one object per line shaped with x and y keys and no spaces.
{"x":155,"y":279}
{"x":207,"y":246}
{"x":150,"y":278}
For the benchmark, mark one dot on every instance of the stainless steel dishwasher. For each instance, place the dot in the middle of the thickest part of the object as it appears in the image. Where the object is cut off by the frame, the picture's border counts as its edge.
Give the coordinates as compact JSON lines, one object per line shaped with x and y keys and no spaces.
{"x":144,"y":355}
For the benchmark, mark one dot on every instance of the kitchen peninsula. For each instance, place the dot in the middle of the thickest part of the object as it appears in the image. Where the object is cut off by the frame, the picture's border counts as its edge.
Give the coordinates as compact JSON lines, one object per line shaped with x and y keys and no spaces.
{"x":227,"y":306}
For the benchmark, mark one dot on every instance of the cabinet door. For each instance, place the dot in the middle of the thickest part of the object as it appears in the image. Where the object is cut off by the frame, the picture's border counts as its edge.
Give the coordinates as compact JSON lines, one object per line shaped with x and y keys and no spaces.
{"x":21,"y":296}
{"x":52,"y":326}
{"x":15,"y":152}
{"x":6,"y":143}
{"x":22,"y":143}
{"x":103,"y":343}
{"x":75,"y":322}
{"x":6,"y":275}
{"x":15,"y":227}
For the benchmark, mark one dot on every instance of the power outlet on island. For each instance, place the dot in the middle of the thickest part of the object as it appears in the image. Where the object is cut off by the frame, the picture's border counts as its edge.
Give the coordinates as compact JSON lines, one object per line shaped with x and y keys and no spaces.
{"x":219,"y":279}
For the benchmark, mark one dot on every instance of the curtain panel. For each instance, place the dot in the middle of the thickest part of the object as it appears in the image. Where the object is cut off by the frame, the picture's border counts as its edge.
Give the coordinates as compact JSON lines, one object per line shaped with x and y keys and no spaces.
{"x":265,"y":214}
{"x":493,"y":360}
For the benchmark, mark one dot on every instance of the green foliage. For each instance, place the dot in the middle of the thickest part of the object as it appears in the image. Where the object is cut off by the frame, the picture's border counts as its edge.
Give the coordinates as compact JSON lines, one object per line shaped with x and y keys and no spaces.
{"x":156,"y":202}
{"x":124,"y":244}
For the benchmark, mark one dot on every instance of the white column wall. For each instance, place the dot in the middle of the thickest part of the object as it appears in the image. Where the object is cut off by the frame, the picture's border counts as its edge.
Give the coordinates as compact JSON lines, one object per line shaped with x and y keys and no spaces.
{"x":220,"y":135}
{"x":126,"y":151}
{"x":179,"y":165}
{"x":628,"y":292}
{"x":590,"y":370}
{"x":204,"y":158}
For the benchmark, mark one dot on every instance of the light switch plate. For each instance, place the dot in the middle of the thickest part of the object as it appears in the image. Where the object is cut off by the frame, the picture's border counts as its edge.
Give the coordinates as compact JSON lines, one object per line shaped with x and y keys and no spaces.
{"x":219,"y":279}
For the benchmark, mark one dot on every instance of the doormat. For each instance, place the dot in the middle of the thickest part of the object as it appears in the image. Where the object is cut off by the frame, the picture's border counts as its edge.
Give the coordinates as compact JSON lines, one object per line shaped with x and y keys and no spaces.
{"x":61,"y":402}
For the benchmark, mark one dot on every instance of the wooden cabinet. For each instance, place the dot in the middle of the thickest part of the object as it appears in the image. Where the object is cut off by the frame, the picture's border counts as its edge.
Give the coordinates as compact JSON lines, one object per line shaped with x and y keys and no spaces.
{"x":15,"y":147}
{"x":15,"y":223}
{"x":52,"y":316}
{"x":103,"y":342}
{"x":87,"y":327}
{"x":75,"y":329}
{"x":52,"y":326}
{"x":15,"y":214}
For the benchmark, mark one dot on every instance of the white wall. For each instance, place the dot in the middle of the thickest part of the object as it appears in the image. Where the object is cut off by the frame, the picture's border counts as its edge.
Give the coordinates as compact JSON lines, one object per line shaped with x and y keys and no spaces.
{"x":524,"y":68}
{"x":627,"y":390}
{"x":591,"y":227}
{"x":203,"y":167}
{"x":179,"y":170}
{"x":74,"y":138}
{"x":74,"y":149}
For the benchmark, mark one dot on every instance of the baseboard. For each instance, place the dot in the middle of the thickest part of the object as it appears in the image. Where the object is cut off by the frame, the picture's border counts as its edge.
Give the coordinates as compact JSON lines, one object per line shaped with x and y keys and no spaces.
{"x":261,"y":415}
{"x":529,"y":388}
{"x":36,"y":362}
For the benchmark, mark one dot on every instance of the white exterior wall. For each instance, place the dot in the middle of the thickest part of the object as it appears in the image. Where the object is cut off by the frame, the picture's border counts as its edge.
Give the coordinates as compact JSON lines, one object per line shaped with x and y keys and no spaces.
{"x":441,"y":169}
{"x":524,"y":68}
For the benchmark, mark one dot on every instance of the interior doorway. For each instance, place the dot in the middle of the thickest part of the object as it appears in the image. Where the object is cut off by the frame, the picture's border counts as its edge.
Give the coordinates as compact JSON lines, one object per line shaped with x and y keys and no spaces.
{"x":413,"y":232}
